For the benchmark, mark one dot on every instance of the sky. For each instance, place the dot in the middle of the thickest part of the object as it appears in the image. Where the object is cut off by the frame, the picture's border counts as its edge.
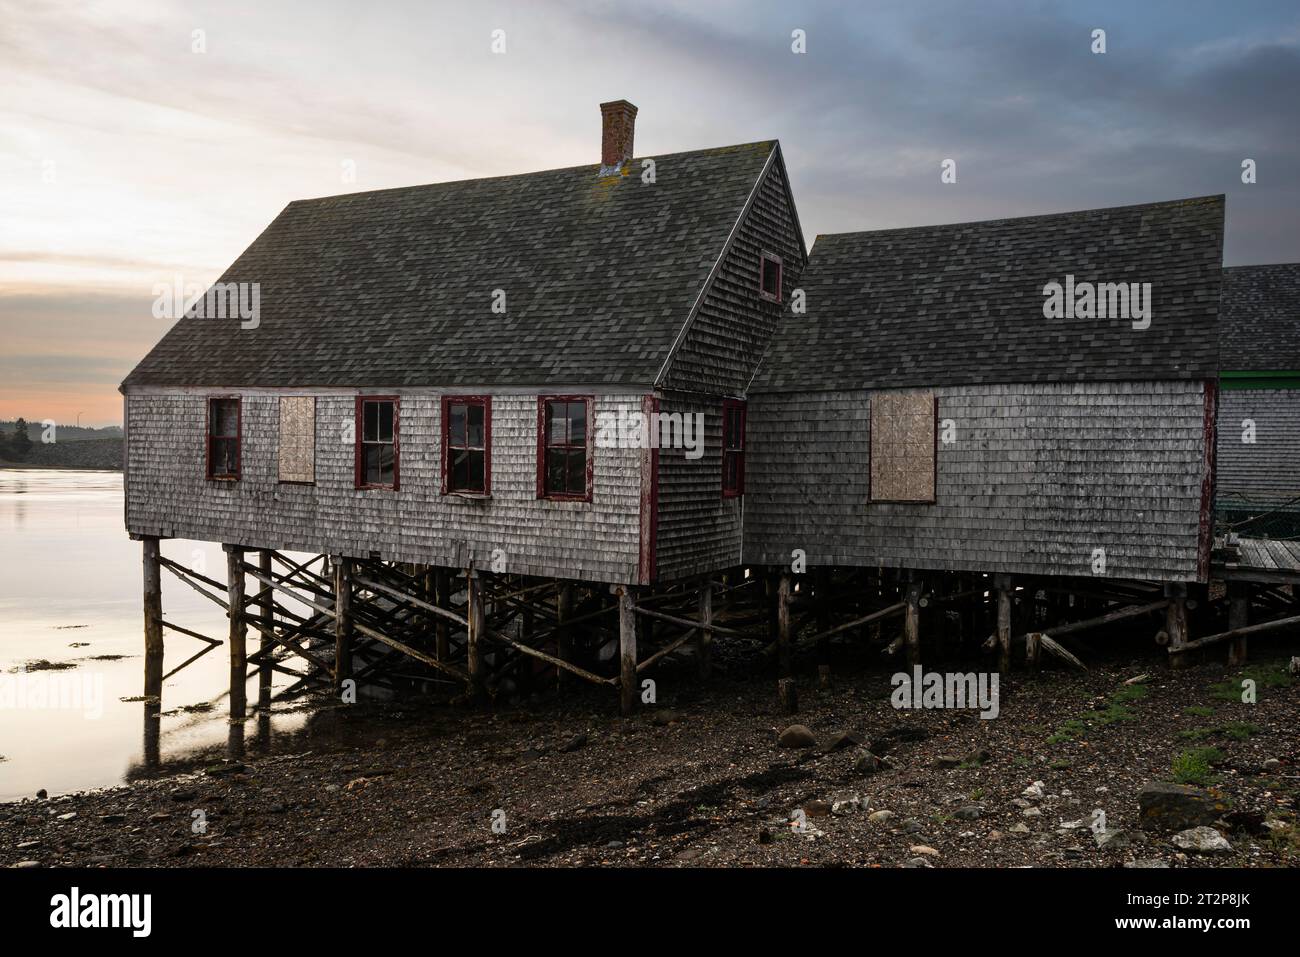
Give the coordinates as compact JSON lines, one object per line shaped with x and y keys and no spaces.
{"x":135,"y":151}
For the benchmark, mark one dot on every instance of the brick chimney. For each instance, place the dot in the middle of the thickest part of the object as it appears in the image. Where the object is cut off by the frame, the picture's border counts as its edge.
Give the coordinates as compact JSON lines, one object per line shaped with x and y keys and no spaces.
{"x":618,"y":123}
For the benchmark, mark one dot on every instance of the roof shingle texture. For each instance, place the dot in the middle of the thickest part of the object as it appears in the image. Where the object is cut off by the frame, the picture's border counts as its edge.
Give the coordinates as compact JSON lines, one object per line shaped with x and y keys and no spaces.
{"x":396,"y":287}
{"x":1261,"y":318}
{"x":963,"y":304}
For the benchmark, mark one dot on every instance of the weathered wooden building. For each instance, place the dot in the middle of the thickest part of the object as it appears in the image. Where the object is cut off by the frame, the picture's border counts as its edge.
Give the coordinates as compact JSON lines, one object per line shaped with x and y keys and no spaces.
{"x":528,"y":423}
{"x":465,"y":377}
{"x":1258,"y":486}
{"x":1025,"y":397}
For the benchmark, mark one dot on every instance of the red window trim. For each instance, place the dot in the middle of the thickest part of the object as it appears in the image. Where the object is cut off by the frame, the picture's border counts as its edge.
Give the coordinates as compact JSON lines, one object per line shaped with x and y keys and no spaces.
{"x":763,"y":257}
{"x":542,"y":493}
{"x":486,"y":402}
{"x":727,"y":406}
{"x":239,"y":438}
{"x":357,"y":461}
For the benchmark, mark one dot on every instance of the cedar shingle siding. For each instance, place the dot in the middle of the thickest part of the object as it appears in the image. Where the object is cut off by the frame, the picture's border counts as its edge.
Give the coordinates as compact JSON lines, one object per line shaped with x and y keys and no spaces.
{"x":1070,"y":434}
{"x":1266,"y":471}
{"x":1261,"y":334}
{"x":1038,"y":476}
{"x":167,"y":494}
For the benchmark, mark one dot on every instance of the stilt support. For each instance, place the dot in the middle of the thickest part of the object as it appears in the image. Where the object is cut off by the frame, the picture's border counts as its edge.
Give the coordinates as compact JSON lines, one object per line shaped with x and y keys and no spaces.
{"x":1176,"y":623}
{"x":627,"y":625}
{"x":1002,"y":584}
{"x":342,"y":621}
{"x":153,"y":619}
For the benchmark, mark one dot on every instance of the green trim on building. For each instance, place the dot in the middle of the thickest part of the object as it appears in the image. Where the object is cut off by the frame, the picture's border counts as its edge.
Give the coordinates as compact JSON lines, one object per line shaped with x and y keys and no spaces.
{"x":1259,"y":380}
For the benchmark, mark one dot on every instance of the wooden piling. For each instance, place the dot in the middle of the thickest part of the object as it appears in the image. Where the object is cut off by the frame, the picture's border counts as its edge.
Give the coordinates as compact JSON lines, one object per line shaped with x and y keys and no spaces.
{"x":477,"y":625}
{"x":265,"y":644}
{"x":912,"y":622}
{"x":787,"y":693}
{"x":238,"y":631}
{"x":1238,"y":618}
{"x":342,"y":621}
{"x":153,"y":626}
{"x":704,"y":641}
{"x":1003,"y":586}
{"x":627,"y":626}
{"x":1176,"y":623}
{"x":784,"y":593}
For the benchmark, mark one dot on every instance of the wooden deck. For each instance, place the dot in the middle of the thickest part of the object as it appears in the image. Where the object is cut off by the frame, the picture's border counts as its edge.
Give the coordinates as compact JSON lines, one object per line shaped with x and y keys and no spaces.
{"x":1256,"y":559}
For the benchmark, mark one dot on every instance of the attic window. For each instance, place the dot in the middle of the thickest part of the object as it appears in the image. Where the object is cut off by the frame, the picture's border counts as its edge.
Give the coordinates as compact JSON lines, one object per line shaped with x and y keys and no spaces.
{"x":733,"y":448}
{"x":903,"y":449}
{"x":224,"y":429}
{"x":769,"y":276}
{"x":377,"y":464}
{"x":467,"y":445}
{"x":564,"y":447}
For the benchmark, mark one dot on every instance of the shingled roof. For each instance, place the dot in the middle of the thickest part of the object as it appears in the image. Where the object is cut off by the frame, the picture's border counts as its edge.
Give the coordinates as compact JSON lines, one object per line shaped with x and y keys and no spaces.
{"x":1261,"y":318}
{"x":963,"y":304}
{"x":395,"y":287}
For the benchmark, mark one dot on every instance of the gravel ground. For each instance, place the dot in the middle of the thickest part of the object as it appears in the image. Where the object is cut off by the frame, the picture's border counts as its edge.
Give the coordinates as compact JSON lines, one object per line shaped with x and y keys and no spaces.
{"x":699,"y":780}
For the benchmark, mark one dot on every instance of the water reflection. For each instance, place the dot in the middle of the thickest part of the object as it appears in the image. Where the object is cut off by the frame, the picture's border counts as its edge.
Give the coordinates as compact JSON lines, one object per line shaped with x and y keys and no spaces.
{"x":70,"y":599}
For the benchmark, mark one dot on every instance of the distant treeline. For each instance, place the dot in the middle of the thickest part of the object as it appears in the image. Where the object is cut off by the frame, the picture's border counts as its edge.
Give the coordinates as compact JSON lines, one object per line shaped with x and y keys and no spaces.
{"x":21,"y":442}
{"x":63,"y":433}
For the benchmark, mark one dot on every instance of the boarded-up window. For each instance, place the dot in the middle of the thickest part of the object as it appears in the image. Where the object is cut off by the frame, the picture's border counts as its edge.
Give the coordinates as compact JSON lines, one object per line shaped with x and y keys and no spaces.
{"x":297,"y":438}
{"x":902,"y":446}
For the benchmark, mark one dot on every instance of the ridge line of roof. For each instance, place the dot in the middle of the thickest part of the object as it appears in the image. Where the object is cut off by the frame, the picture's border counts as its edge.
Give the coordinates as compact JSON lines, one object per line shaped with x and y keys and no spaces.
{"x":1021,"y":219}
{"x":773,"y":143}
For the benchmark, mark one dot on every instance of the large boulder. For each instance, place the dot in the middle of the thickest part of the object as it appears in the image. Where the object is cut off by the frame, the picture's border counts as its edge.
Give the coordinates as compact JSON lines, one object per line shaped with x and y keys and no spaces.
{"x":1176,"y":807}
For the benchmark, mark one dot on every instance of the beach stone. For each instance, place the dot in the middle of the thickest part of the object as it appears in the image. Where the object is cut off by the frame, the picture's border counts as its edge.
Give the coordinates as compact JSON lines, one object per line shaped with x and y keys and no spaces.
{"x":970,"y":812}
{"x":842,"y":739}
{"x":947,"y":761}
{"x":797,"y":736}
{"x":1202,"y":840}
{"x":817,"y":809}
{"x":848,"y":805}
{"x":917,"y":862}
{"x":868,"y":763}
{"x":112,"y":818}
{"x":25,"y":865}
{"x":1146,"y":863}
{"x":67,"y":817}
{"x":1177,"y":807}
{"x":1112,"y":839}
{"x":880,"y":817}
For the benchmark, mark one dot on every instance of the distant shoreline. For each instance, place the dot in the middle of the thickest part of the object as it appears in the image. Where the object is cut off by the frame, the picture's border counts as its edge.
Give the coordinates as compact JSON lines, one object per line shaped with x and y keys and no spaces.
{"x":29,"y":466}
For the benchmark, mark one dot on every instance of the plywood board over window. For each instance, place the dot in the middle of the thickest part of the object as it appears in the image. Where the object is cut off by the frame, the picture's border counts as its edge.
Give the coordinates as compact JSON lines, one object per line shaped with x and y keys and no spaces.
{"x":297,"y":438}
{"x":903,"y":446}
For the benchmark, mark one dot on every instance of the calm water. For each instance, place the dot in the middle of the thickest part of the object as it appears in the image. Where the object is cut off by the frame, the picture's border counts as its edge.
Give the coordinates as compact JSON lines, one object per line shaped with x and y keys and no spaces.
{"x":70,"y":593}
